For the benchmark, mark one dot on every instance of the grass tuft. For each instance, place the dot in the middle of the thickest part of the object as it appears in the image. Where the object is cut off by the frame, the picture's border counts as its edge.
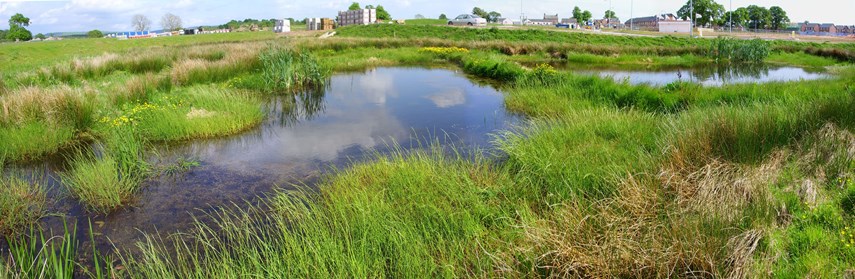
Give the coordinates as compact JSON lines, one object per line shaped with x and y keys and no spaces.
{"x":22,"y":204}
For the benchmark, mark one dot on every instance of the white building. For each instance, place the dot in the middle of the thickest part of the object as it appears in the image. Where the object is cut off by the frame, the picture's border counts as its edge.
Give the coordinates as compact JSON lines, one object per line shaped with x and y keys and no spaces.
{"x":282,"y":26}
{"x":675,"y":26}
{"x":505,"y":21}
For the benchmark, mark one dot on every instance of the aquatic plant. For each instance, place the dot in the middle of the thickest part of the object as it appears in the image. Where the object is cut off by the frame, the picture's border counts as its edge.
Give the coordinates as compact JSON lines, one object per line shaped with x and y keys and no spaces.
{"x":738,"y":51}
{"x":104,"y":183}
{"x":285,"y":69}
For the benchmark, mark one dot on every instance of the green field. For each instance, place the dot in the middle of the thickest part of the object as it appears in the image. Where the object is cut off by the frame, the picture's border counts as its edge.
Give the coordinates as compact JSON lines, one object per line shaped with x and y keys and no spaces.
{"x":602,"y":179}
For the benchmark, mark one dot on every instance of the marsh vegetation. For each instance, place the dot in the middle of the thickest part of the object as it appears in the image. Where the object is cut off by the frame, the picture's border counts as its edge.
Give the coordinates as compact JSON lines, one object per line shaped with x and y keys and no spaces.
{"x":603,"y":178}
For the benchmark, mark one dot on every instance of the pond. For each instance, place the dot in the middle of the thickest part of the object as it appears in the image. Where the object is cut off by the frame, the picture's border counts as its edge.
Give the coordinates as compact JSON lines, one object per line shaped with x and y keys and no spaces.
{"x":356,"y":117}
{"x":711,"y":76}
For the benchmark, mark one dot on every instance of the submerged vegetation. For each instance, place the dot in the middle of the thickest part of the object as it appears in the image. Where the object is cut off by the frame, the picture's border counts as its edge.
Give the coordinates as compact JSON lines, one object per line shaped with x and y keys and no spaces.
{"x":604,"y":179}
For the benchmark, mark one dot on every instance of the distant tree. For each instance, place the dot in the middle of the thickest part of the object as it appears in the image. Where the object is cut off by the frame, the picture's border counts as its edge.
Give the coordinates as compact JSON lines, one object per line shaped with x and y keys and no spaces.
{"x":3,"y":34}
{"x":442,"y":16}
{"x":19,"y":20}
{"x":353,"y":7}
{"x":419,"y":16}
{"x":95,"y":34}
{"x":586,"y":15}
{"x":493,"y":16}
{"x":740,"y":17}
{"x":17,"y":33}
{"x":610,"y":14}
{"x":40,"y":36}
{"x":17,"y":30}
{"x":170,"y":22}
{"x":706,"y":11}
{"x":758,"y":17}
{"x":779,"y":17}
{"x":140,"y":23}
{"x":382,"y":14}
{"x":479,"y":12}
{"x":577,"y":14}
{"x":370,"y":7}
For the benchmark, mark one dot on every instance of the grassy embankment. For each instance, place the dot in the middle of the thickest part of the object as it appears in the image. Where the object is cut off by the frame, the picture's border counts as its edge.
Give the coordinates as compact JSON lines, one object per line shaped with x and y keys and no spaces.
{"x":607,"y":179}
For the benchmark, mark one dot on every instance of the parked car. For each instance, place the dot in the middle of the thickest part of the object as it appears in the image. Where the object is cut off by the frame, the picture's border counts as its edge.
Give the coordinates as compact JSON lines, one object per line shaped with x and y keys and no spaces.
{"x":562,"y":25}
{"x":471,"y":20}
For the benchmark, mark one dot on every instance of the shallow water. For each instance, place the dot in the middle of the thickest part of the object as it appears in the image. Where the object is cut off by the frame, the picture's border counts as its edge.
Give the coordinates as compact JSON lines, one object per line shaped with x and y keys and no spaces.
{"x":710,"y":75}
{"x":305,"y":135}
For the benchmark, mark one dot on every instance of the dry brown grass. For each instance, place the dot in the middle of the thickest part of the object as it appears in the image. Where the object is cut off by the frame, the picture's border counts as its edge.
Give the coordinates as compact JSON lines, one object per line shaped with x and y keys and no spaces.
{"x":684,"y":222}
{"x":238,"y":58}
{"x":636,"y":234}
{"x":52,"y":104}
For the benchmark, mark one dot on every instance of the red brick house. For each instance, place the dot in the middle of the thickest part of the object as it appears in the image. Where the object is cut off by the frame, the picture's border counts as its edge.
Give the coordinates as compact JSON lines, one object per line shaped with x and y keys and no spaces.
{"x":809,"y":27}
{"x":827,"y":28}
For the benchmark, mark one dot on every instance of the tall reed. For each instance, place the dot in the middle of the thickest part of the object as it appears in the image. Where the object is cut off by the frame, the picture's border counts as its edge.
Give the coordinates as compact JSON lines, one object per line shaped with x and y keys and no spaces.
{"x":284,"y":69}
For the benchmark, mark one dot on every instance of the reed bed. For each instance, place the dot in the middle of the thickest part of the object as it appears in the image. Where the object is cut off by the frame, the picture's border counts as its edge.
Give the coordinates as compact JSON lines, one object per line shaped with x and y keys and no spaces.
{"x":285,"y":70}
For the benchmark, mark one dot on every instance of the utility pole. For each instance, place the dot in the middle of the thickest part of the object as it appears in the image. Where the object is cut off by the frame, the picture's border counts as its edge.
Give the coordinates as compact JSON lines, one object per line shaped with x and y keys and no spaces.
{"x":731,"y":16}
{"x":631,"y":4}
{"x":692,"y":18}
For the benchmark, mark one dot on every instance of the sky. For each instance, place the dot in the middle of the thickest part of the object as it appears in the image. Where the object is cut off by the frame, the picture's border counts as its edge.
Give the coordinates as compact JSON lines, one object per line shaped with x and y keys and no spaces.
{"x":106,"y":15}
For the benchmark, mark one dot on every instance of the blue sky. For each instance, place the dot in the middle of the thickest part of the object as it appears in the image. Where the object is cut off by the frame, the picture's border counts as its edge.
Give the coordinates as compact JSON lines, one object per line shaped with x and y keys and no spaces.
{"x":84,"y":15}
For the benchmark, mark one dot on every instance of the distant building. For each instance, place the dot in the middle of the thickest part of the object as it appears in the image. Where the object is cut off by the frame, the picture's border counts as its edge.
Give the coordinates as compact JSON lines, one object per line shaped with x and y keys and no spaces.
{"x":547,"y":20}
{"x":551,"y":18}
{"x":357,"y":17}
{"x":282,"y":26}
{"x":650,"y":23}
{"x":680,"y":26}
{"x":808,"y":27}
{"x":825,"y":29}
{"x":608,"y":23}
{"x":505,"y":21}
{"x":192,"y":31}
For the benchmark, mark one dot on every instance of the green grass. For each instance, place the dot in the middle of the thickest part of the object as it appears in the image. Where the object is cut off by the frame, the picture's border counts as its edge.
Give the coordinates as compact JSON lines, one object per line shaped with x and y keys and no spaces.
{"x":800,"y":59}
{"x":33,"y":140}
{"x":22,"y":56}
{"x":41,"y":256}
{"x":201,"y":111}
{"x":426,"y":21}
{"x":582,"y":155}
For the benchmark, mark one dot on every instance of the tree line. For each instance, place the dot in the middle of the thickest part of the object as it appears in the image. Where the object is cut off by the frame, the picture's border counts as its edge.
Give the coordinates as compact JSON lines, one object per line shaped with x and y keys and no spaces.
{"x":710,"y":13}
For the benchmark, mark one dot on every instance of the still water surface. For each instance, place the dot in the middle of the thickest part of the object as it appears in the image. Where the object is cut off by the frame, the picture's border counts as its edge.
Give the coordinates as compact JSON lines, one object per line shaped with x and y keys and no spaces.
{"x":355,"y":117}
{"x":711,"y":75}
